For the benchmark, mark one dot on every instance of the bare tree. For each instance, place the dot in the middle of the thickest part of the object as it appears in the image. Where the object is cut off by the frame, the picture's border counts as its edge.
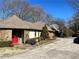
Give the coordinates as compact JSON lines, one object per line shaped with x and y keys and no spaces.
{"x":74,"y":4}
{"x":17,"y":7}
{"x":22,"y":9}
{"x":74,"y":24}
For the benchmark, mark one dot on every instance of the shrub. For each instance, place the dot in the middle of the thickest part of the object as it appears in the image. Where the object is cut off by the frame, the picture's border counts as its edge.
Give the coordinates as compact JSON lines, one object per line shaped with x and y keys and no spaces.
{"x":6,"y":44}
{"x":38,"y":39}
{"x":32,"y":41}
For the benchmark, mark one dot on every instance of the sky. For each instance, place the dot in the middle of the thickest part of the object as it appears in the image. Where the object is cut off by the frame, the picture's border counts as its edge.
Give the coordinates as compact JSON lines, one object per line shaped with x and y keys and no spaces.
{"x":56,"y":8}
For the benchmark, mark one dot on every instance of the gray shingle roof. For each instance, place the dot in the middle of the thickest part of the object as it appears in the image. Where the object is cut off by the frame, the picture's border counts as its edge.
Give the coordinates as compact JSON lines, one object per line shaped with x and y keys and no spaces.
{"x":16,"y":22}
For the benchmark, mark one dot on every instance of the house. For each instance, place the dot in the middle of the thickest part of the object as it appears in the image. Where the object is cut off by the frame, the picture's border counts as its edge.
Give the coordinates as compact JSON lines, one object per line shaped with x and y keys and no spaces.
{"x":14,"y":27}
{"x":55,"y":29}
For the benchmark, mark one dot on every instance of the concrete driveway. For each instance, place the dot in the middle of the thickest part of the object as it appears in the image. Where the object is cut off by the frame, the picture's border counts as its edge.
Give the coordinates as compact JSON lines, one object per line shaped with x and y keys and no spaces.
{"x":63,"y":48}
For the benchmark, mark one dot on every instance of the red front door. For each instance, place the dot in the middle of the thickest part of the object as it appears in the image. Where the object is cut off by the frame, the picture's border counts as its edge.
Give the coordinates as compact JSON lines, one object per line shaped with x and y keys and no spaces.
{"x":15,"y":40}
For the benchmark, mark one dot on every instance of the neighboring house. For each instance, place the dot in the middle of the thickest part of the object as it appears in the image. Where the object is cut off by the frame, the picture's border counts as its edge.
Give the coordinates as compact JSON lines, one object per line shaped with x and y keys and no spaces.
{"x":14,"y":27}
{"x":56,"y":30}
{"x":55,"y":27}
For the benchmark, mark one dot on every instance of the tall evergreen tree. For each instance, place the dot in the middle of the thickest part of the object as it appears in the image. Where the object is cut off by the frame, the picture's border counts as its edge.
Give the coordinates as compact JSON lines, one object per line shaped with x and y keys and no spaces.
{"x":45,"y":33}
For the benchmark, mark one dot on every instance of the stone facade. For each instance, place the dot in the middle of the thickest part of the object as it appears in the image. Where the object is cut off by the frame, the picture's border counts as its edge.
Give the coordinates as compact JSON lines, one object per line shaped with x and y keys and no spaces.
{"x":5,"y":35}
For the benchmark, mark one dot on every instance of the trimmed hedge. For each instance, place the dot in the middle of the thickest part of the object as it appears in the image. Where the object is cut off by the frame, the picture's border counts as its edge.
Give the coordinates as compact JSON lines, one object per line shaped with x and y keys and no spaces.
{"x":6,"y":44}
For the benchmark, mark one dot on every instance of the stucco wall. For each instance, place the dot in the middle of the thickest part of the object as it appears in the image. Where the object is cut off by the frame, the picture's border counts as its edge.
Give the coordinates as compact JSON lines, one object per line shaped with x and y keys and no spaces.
{"x":5,"y":35}
{"x":32,"y":34}
{"x":51,"y":35}
{"x":38,"y":34}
